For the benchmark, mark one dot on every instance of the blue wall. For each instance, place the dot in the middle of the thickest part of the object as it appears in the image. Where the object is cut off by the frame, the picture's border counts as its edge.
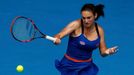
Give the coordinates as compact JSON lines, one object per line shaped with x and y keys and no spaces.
{"x":51,"y":16}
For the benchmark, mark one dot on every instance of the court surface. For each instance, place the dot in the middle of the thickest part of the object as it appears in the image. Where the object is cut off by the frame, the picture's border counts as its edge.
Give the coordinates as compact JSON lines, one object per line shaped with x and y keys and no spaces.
{"x":51,"y":16}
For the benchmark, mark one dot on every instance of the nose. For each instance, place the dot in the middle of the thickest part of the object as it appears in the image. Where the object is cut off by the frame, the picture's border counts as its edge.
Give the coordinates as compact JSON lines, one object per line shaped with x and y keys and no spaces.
{"x":86,"y":20}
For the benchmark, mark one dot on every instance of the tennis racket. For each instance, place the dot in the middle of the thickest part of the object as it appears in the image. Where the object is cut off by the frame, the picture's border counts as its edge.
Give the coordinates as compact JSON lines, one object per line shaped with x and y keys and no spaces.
{"x":23,"y":29}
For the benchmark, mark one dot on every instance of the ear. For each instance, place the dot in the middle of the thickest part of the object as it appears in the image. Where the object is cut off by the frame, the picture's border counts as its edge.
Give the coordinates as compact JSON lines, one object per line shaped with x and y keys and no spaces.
{"x":96,"y":15}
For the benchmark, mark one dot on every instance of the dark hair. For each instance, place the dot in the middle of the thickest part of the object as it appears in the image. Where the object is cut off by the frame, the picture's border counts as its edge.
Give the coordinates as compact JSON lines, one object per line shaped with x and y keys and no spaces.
{"x":95,"y":9}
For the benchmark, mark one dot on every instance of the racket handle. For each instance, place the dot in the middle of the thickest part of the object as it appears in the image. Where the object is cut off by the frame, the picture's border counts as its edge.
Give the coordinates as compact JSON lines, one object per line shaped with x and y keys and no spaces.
{"x":50,"y":38}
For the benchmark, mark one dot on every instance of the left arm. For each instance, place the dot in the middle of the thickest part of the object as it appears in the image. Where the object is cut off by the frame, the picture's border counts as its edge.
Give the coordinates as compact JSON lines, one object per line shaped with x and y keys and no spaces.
{"x":103,"y":49}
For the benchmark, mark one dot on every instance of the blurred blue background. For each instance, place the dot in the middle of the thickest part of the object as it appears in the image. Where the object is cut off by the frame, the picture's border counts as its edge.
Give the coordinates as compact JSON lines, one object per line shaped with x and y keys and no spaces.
{"x":51,"y":16}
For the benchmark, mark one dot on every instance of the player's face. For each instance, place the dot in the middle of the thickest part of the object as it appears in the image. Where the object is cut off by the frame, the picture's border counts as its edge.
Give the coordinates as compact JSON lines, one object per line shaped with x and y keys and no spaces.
{"x":88,"y":18}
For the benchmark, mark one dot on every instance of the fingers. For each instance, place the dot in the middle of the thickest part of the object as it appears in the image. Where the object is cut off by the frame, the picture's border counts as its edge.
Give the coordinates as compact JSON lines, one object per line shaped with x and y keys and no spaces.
{"x":58,"y":41}
{"x":115,"y":47}
{"x":112,"y":50}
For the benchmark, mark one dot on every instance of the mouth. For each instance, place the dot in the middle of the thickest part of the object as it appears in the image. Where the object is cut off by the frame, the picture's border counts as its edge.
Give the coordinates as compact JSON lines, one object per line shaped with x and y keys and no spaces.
{"x":86,"y":24}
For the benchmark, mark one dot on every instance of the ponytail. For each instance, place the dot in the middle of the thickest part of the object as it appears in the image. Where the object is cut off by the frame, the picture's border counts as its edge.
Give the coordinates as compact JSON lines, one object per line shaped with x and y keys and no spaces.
{"x":99,"y":10}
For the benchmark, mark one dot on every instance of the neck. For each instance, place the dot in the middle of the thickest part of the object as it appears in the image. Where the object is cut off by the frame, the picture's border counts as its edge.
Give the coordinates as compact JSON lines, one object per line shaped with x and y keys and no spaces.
{"x":90,"y":29}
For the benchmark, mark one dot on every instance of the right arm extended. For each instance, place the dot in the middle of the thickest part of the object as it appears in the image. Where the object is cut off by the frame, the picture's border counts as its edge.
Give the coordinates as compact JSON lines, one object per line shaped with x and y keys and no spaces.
{"x":67,"y":30}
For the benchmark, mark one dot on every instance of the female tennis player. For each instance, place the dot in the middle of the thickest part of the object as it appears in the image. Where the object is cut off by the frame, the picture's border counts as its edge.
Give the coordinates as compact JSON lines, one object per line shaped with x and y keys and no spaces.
{"x":85,"y":35}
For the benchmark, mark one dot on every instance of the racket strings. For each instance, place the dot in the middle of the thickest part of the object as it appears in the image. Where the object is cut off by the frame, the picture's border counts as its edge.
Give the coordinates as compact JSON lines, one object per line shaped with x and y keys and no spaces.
{"x":24,"y":30}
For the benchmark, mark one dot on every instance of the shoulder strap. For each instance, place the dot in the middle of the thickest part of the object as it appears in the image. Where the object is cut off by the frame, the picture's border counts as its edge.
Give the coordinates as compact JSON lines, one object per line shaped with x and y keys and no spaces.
{"x":82,"y":28}
{"x":96,"y":26}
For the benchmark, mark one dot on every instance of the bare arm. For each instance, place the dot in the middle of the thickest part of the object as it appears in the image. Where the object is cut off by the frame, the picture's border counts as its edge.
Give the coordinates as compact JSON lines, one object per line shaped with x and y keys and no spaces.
{"x":67,"y":30}
{"x":103,"y":49}
{"x":102,"y":45}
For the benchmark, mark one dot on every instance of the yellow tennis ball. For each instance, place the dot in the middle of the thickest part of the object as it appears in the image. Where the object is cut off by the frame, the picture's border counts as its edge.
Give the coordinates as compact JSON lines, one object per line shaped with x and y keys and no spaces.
{"x":19,"y":68}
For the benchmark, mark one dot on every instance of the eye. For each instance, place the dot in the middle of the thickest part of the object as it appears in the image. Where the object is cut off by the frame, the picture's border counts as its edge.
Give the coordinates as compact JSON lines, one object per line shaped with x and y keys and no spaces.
{"x":83,"y":17}
{"x":88,"y":17}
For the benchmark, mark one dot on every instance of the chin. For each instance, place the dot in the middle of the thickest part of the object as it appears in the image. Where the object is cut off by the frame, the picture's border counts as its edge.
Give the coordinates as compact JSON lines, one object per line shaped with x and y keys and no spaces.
{"x":87,"y":25}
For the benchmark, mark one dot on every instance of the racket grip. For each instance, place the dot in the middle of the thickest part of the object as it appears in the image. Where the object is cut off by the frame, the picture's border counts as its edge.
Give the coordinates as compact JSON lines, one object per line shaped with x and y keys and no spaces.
{"x":51,"y":38}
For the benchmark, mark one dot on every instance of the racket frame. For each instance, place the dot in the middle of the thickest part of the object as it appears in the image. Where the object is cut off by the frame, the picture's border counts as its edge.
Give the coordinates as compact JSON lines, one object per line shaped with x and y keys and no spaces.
{"x":35,"y":27}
